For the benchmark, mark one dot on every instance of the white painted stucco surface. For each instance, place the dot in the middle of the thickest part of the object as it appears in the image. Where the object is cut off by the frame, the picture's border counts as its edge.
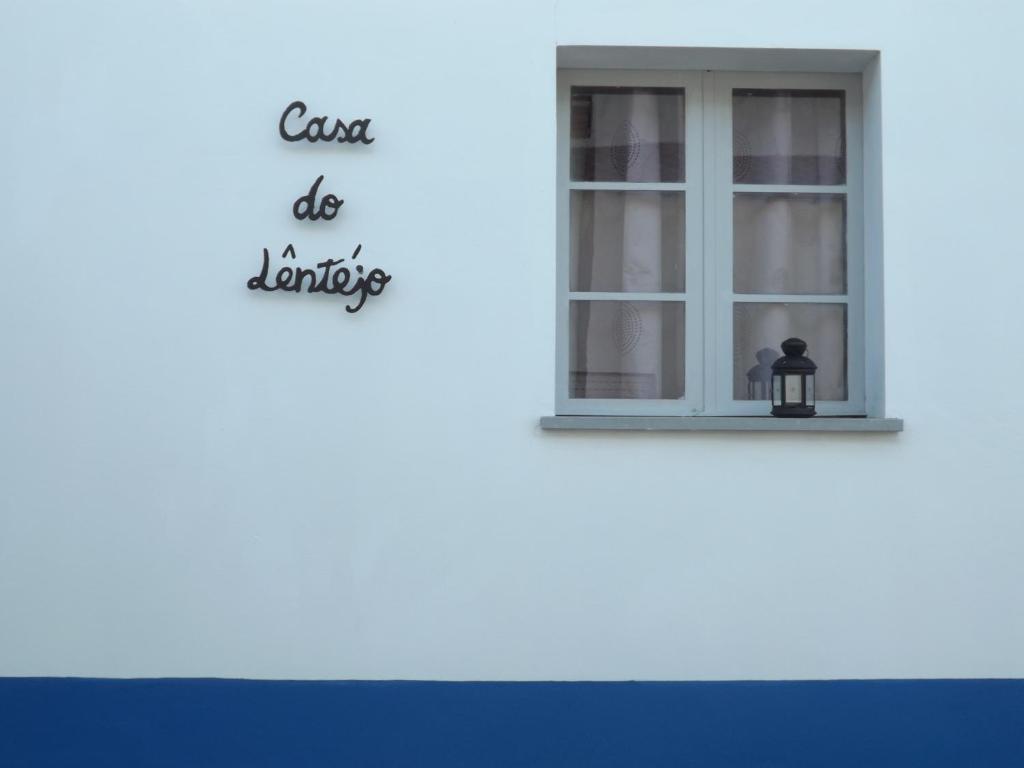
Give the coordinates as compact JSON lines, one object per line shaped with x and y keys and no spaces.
{"x":197,"y":480}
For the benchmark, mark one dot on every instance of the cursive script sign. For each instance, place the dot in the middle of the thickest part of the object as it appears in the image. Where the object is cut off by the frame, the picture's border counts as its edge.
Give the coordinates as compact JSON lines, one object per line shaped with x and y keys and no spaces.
{"x":306,"y":208}
{"x":339,"y":281}
{"x":316,"y":128}
{"x":335,"y":277}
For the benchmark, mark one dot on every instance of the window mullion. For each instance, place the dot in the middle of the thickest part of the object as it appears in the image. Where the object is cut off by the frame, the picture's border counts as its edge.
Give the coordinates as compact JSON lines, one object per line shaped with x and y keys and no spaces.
{"x":711,"y":240}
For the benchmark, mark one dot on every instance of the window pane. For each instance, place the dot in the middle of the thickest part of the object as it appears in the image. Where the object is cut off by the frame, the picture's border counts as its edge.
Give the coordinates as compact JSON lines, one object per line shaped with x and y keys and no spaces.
{"x":789,"y":243}
{"x":628,"y":241}
{"x":788,"y":137}
{"x":627,"y":349}
{"x":758,"y":332}
{"x":628,"y":134}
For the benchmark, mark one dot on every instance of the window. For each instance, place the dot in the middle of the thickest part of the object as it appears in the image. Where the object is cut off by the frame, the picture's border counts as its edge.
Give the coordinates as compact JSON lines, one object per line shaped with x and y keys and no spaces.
{"x":703,"y":218}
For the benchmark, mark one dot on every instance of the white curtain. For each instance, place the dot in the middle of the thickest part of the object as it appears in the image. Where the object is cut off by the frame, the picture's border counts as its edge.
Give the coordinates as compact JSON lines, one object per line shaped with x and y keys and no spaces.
{"x":630,"y":224}
{"x":787,"y":243}
{"x":783,"y":137}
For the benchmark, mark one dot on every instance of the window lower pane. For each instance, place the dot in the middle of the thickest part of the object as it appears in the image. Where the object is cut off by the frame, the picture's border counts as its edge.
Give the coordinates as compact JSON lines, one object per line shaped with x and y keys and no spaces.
{"x":627,"y":349}
{"x":628,"y":241}
{"x":758,"y":332}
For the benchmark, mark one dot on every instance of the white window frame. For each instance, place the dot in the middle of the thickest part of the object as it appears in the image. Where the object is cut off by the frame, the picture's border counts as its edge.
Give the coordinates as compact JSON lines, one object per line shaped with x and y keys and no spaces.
{"x":708,"y":389}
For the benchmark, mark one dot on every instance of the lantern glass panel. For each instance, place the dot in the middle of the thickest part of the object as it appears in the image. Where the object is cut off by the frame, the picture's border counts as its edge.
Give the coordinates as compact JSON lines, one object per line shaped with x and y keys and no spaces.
{"x":810,"y":389}
{"x":794,"y":389}
{"x":776,"y":390}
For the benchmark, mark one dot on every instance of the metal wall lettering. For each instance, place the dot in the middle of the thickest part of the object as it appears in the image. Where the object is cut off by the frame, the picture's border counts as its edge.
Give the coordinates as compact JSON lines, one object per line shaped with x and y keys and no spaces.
{"x":292,"y":278}
{"x":335,"y":277}
{"x":316,"y":128}
{"x":305,"y":207}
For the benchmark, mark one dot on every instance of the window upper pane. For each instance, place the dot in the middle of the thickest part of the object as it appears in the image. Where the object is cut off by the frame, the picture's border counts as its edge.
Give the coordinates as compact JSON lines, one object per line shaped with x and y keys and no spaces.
{"x":627,"y":241}
{"x":628,"y":134}
{"x":788,"y":136}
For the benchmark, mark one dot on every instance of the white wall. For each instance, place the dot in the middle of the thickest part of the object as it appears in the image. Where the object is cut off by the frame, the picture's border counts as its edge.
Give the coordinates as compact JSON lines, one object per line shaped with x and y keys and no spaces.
{"x":199,"y":480}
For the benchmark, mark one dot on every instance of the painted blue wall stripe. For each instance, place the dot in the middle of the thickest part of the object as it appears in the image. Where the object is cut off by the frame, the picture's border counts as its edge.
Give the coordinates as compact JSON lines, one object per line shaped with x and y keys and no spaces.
{"x":177,"y":722}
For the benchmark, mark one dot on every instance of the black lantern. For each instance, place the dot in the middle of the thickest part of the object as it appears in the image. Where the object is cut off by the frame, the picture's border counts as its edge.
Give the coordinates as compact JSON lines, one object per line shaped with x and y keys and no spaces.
{"x":793,"y":381}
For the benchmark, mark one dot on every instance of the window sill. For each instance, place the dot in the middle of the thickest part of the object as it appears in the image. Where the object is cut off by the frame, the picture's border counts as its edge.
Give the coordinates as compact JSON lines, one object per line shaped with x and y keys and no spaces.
{"x":722,"y":424}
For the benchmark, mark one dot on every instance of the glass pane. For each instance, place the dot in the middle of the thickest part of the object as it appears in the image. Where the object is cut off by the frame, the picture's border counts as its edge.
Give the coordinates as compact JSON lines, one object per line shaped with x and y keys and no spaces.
{"x":788,"y":137}
{"x":786,"y":243}
{"x":628,"y":134}
{"x":628,"y":241}
{"x":627,"y":349}
{"x":758,"y":331}
{"x":793,"y":389}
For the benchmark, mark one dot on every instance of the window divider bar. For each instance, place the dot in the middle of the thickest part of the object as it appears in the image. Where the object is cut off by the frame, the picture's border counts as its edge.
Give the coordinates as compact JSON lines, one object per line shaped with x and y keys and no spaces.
{"x":628,"y":186}
{"x":791,"y":298}
{"x":798,"y":189}
{"x":625,"y":296}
